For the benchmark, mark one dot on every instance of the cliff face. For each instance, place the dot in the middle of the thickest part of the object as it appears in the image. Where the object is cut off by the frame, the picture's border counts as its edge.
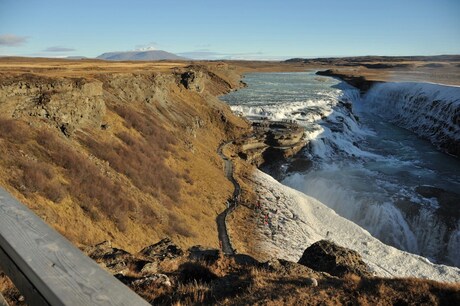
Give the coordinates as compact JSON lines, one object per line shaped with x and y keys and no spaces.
{"x":128,"y":156}
{"x":357,"y":81}
{"x":67,"y":104}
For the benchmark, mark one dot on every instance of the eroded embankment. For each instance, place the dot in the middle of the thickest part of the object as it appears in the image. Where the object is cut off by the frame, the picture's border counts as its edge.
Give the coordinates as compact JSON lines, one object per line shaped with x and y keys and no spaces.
{"x":127,"y":156}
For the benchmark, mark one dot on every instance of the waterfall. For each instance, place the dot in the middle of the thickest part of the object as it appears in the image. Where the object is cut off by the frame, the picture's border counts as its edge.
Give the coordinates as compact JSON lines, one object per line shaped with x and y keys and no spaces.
{"x":362,"y":184}
{"x":430,"y":110}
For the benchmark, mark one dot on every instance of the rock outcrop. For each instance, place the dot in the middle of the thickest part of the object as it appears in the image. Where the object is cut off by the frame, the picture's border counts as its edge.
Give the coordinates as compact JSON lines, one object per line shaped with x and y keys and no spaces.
{"x":164,"y":249}
{"x":66,"y":103}
{"x":192,"y":80}
{"x":117,"y":261}
{"x":331,"y":258}
{"x":206,"y":276}
{"x":271,"y":142}
{"x":357,"y":81}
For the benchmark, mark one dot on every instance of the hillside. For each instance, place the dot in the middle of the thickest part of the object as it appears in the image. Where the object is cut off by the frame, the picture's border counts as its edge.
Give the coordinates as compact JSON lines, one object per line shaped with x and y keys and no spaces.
{"x":150,"y":55}
{"x":126,"y":155}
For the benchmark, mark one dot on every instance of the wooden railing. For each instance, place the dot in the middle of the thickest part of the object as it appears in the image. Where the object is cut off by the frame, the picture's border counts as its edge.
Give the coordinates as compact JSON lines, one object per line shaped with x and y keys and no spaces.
{"x":2,"y":301}
{"x":47,"y":269}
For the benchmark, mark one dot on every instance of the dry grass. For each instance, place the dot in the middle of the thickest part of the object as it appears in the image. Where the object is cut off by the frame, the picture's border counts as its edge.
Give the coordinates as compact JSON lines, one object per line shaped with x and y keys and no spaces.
{"x":140,"y":158}
{"x":96,"y":194}
{"x":79,"y":68}
{"x":38,"y":177}
{"x":12,"y":130}
{"x":225,"y":282}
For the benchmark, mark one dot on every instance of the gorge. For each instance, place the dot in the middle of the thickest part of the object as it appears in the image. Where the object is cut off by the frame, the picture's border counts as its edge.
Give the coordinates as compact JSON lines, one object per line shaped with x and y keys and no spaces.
{"x":370,"y":171}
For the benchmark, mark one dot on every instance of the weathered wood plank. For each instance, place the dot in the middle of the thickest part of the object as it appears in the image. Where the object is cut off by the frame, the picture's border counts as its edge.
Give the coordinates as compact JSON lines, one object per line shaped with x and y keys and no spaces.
{"x":3,"y":301}
{"x":60,"y":272}
{"x":20,"y":280}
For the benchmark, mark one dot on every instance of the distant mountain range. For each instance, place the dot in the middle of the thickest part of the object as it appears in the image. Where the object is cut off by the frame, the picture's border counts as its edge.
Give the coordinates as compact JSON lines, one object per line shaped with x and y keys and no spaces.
{"x":149,"y":55}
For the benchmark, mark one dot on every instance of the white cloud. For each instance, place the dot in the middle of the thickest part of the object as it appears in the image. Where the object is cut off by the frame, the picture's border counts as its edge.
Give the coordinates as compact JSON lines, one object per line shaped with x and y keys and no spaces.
{"x":58,"y":49}
{"x":10,"y":40}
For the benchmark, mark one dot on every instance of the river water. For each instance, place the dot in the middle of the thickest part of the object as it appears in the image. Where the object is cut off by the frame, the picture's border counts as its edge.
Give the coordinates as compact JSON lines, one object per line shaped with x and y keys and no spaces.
{"x":394,"y":184}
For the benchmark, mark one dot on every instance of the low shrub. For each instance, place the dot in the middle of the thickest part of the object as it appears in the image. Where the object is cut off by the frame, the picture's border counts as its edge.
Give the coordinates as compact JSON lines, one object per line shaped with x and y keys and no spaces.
{"x":13,"y":130}
{"x":140,"y":158}
{"x":38,"y":177}
{"x":96,"y":194}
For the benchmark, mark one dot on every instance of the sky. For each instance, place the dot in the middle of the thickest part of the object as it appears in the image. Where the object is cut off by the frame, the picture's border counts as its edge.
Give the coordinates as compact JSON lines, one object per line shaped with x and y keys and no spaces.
{"x":231,"y":29}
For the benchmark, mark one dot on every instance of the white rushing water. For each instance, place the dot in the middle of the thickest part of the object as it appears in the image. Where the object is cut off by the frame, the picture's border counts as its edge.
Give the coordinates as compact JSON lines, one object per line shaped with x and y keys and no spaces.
{"x":365,"y":167}
{"x":430,"y":110}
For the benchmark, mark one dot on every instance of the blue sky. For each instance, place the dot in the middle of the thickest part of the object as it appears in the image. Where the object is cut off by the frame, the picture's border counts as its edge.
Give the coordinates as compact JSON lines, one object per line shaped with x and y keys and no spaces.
{"x":231,"y":29}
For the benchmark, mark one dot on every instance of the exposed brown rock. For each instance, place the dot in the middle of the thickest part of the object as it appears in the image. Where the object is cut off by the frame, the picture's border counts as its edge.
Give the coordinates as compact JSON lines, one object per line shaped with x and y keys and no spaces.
{"x":329,"y":257}
{"x":115,"y":260}
{"x":66,"y":103}
{"x":164,"y":249}
{"x":201,"y":253}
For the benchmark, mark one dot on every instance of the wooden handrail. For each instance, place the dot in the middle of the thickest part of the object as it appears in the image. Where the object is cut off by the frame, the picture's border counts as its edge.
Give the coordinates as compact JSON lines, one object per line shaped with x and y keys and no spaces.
{"x":47,"y":268}
{"x":3,"y":301}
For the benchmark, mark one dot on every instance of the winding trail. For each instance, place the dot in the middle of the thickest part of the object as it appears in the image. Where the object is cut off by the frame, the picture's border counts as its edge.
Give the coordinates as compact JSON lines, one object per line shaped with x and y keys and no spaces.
{"x":224,"y":239}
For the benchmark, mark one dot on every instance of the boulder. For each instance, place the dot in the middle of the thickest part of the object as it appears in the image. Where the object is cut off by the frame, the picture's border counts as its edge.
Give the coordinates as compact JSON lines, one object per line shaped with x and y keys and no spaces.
{"x":312,"y":282}
{"x":331,"y":258}
{"x":113,"y":259}
{"x":150,"y":267}
{"x":104,"y":250}
{"x":158,"y":279}
{"x":285,"y":267}
{"x":164,"y":249}
{"x":204,"y":254}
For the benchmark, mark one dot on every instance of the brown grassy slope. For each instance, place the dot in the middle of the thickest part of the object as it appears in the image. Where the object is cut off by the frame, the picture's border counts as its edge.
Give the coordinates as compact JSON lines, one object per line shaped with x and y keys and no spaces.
{"x":124,"y":152}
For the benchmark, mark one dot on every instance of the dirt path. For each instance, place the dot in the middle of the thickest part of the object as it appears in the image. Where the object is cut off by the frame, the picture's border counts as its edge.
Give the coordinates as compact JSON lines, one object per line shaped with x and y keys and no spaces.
{"x":224,"y":239}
